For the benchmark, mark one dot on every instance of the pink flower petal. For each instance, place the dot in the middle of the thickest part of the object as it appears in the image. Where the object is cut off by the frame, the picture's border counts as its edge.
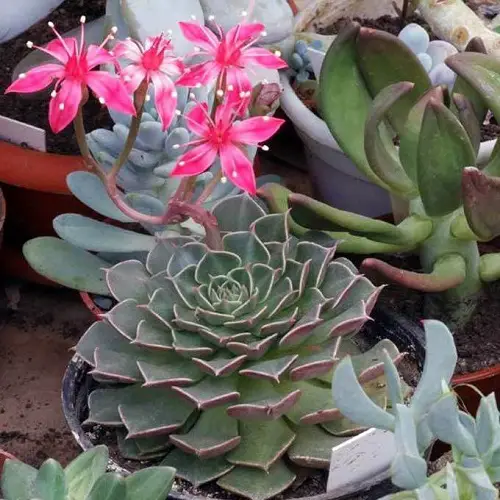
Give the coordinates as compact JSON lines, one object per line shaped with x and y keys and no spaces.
{"x":196,"y":160}
{"x":97,"y":55}
{"x":197,"y":120}
{"x":262,"y":57}
{"x":165,"y":98}
{"x":238,"y":168}
{"x":244,"y":33}
{"x":203,"y":73}
{"x":57,"y":49}
{"x":172,"y":66}
{"x":132,"y":76}
{"x":112,"y":90}
{"x":64,"y":106}
{"x":238,"y":85}
{"x":255,"y":130}
{"x":37,"y":79}
{"x":163,"y":43}
{"x":200,"y":36}
{"x":129,"y":50}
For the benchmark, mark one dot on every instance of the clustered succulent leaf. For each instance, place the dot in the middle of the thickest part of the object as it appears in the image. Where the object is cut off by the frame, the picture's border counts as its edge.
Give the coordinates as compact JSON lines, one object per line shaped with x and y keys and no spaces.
{"x":85,"y":478}
{"x":433,"y":413}
{"x":226,"y":356}
{"x":451,"y":202}
{"x":155,"y":151}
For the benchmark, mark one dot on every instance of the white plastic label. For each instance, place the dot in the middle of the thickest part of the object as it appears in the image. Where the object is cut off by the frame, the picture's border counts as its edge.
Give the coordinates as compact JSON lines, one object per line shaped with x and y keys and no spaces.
{"x":22,"y":134}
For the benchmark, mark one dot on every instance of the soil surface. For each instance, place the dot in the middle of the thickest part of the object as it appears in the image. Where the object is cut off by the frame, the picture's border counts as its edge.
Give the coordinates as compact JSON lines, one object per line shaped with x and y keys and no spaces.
{"x":478,"y":342}
{"x":39,"y":326}
{"x":35,"y":110}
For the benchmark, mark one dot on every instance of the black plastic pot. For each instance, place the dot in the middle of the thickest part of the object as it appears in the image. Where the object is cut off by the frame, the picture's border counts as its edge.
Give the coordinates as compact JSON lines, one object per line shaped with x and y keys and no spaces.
{"x":77,"y":384}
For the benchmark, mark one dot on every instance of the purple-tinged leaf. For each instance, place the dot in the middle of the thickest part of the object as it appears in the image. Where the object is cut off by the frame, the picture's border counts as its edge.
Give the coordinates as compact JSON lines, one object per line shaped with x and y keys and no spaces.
{"x":272,"y":369}
{"x":220,"y":367}
{"x":210,"y":392}
{"x":253,"y":350}
{"x":213,"y":435}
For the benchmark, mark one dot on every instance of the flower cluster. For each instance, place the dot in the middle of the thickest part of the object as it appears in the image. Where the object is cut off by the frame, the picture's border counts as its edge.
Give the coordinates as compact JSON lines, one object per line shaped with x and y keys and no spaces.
{"x":225,"y":59}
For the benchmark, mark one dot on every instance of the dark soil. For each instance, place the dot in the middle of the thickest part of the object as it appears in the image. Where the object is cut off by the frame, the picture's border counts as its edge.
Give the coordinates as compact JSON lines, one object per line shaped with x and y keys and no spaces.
{"x":40,"y":325}
{"x":34,"y":110}
{"x":478,"y":343}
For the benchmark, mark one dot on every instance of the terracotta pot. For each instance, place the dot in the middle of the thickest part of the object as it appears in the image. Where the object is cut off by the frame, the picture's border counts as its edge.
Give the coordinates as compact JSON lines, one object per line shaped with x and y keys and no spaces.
{"x":34,"y":185}
{"x":91,"y":305}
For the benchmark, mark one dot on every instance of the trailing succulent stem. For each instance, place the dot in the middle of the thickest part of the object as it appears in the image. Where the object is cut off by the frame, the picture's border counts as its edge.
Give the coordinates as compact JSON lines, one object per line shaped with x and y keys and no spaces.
{"x":224,"y":358}
{"x":452,"y":204}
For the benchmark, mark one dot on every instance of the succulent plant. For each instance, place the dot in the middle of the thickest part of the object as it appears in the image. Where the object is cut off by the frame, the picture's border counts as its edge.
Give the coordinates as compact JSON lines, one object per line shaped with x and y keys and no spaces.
{"x":155,"y":151}
{"x":431,"y":54}
{"x":300,"y":63}
{"x":432,"y":413}
{"x":85,"y":478}
{"x":451,"y":205}
{"x":225,"y":357}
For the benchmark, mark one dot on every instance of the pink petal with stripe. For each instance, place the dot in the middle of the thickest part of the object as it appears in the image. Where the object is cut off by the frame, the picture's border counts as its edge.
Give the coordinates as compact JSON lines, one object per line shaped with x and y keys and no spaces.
{"x":197,"y":120}
{"x":255,"y":130}
{"x":203,"y":74}
{"x":37,"y":79}
{"x":196,"y":160}
{"x":112,"y":90}
{"x":200,"y":36}
{"x":238,"y":168}
{"x":165,"y":98}
{"x":262,"y":57}
{"x":64,"y":106}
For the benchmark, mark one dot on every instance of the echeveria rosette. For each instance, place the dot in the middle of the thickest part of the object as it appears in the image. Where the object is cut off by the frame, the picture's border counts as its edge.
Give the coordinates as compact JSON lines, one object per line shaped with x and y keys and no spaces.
{"x":74,"y":72}
{"x":228,"y":355}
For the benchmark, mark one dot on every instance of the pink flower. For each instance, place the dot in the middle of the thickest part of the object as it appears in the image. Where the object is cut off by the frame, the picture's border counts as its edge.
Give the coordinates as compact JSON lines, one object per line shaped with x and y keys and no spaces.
{"x":228,"y":58}
{"x":225,"y":138}
{"x":73,"y":74}
{"x":153,"y":63}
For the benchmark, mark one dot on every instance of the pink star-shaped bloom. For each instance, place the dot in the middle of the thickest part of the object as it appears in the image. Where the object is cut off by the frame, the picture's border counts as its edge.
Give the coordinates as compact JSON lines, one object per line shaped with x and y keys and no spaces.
{"x":228,"y":58}
{"x":225,"y":138}
{"x":74,"y":73}
{"x":153,"y":63}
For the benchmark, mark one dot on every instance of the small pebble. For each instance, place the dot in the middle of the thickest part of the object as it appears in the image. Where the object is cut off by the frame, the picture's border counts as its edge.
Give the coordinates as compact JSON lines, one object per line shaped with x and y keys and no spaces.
{"x":415,"y":38}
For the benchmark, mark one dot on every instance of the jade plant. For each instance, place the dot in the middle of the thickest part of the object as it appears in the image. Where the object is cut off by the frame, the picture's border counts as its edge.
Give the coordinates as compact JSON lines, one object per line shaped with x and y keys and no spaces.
{"x":373,"y":88}
{"x":432,"y":414}
{"x":85,"y":478}
{"x":224,"y":357}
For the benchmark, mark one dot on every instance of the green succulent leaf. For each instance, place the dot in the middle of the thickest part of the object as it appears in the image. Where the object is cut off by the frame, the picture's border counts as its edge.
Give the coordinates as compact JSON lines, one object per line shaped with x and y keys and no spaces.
{"x":66,"y":264}
{"x":50,"y":482}
{"x":110,"y":486}
{"x":444,"y":151}
{"x":18,"y":480}
{"x":373,"y":49}
{"x":154,"y":482}
{"x":344,"y":100}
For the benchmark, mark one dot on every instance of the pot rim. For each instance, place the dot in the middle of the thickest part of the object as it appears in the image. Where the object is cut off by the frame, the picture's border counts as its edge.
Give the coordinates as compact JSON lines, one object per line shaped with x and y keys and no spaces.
{"x":75,"y":375}
{"x":316,"y":129}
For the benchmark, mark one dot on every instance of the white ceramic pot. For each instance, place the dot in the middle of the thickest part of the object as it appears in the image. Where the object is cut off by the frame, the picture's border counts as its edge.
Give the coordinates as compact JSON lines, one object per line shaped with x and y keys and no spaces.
{"x":335,"y":177}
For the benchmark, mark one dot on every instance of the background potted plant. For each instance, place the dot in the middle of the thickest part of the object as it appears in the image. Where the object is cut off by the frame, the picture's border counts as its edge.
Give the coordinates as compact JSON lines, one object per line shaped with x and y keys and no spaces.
{"x":451,"y":205}
{"x":85,"y":478}
{"x":323,"y":153}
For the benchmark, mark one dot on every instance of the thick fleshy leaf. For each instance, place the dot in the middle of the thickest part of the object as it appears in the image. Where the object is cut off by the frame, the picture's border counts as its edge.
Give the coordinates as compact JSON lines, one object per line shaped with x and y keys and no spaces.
{"x":154,"y":412}
{"x":210,"y":392}
{"x":90,"y":190}
{"x":236,"y":213}
{"x":440,"y":362}
{"x":213,"y":435}
{"x":262,"y":443}
{"x":196,"y":470}
{"x":50,"y":483}
{"x":216,"y":263}
{"x":96,"y":236}
{"x":444,"y":151}
{"x":272,"y":370}
{"x":344,"y":100}
{"x":66,"y":264}
{"x":383,"y":156}
{"x":110,"y":486}
{"x":148,"y":448}
{"x":373,"y":47}
{"x":83,"y":471}
{"x":257,"y":484}
{"x":481,"y":195}
{"x":410,"y":134}
{"x":247,"y":246}
{"x":18,"y":480}
{"x":220,"y":367}
{"x":467,"y":117}
{"x":129,"y":280}
{"x":313,"y":447}
{"x":272,"y":227}
{"x":156,"y":481}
